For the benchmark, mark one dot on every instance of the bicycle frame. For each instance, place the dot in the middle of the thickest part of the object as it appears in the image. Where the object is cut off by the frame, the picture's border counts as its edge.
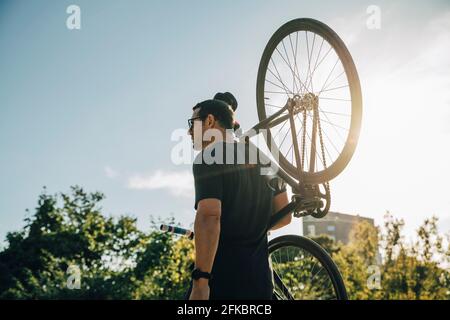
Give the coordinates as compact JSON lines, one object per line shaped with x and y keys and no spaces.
{"x":275,"y":120}
{"x":298,"y":187}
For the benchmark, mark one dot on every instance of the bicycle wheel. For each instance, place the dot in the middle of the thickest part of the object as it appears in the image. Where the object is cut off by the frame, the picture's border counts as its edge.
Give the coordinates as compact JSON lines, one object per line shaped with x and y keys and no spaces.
{"x":305,"y":60}
{"x":303,"y":270}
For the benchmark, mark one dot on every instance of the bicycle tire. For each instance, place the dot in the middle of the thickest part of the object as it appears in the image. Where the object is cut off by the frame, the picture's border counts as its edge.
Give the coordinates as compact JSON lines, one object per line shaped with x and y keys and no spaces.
{"x":319,"y":28}
{"x":319,"y":253}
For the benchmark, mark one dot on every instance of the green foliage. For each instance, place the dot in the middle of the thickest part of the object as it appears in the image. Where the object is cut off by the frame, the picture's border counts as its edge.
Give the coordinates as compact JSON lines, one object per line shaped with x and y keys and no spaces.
{"x":296,"y":272}
{"x":118,"y":261}
{"x":418,"y":270}
{"x":354,"y":259}
{"x":115,"y":259}
{"x":163,"y":270}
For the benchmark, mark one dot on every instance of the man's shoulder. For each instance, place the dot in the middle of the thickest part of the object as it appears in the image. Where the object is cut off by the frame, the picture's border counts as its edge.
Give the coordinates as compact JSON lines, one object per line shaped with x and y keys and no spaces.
{"x":230,"y":154}
{"x":213,"y":153}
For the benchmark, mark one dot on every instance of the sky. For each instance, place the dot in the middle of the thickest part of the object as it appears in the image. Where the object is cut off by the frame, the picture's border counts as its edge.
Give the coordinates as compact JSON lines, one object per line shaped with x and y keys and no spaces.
{"x":97,"y":107}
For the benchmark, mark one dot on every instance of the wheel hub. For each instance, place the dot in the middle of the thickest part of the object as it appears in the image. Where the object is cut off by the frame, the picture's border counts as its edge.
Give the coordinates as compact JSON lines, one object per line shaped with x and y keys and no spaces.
{"x":306,"y":102}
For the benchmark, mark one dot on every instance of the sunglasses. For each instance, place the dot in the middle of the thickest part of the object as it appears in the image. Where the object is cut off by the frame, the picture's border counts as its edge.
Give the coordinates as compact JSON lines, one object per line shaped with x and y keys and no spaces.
{"x":191,"y":121}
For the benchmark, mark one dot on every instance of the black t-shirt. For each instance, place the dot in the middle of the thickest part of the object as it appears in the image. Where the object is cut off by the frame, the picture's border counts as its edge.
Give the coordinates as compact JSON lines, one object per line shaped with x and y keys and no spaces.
{"x":230,"y":172}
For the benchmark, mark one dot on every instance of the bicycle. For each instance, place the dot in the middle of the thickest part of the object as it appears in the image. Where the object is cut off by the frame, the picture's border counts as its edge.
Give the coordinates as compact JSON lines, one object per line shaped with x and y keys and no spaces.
{"x":285,"y":94}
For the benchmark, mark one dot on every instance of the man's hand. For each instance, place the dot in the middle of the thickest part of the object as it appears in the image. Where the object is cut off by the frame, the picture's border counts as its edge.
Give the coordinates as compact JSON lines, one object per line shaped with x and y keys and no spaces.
{"x":200,"y":290}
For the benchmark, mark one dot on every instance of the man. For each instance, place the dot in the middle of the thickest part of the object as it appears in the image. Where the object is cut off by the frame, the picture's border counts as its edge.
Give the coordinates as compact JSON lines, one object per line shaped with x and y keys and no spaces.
{"x":234,"y":204}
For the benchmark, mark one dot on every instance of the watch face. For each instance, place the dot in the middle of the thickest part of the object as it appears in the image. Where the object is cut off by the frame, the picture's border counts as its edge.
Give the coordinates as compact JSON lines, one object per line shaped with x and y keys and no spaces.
{"x":195,"y":274}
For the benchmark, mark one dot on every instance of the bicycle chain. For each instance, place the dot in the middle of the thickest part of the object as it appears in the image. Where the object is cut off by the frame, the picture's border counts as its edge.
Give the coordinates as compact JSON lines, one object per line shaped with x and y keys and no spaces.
{"x":322,"y":148}
{"x":326,"y":184}
{"x":303,"y":140}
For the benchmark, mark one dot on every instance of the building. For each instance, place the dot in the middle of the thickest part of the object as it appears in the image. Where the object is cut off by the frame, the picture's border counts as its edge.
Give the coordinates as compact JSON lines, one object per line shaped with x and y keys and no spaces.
{"x":334,"y":224}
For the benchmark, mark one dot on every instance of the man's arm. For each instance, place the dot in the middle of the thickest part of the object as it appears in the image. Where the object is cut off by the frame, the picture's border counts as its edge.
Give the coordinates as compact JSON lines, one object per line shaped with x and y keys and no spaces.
{"x":279,"y":202}
{"x":207,"y":232}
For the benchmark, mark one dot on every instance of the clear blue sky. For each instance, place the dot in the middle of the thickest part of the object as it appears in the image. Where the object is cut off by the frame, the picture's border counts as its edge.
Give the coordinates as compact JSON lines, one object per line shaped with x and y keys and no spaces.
{"x":97,"y":106}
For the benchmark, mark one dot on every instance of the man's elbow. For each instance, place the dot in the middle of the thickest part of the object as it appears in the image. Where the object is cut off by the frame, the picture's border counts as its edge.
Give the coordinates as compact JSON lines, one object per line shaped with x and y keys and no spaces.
{"x":208,"y":223}
{"x":209,"y":218}
{"x":209,"y":211}
{"x":211,"y":214}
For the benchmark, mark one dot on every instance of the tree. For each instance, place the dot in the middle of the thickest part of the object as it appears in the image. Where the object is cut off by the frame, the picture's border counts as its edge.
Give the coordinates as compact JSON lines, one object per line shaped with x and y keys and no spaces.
{"x":355,"y":259}
{"x":116,"y":260}
{"x":415,"y":270}
{"x":163,"y":270}
{"x":418,"y":270}
{"x":69,"y":230}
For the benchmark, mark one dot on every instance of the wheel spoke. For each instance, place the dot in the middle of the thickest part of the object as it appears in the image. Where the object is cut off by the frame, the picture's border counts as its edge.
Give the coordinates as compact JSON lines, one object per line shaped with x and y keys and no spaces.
{"x":294,"y":53}
{"x":300,"y":275}
{"x":329,"y":74}
{"x":287,"y":132}
{"x":324,"y":131}
{"x":336,"y":113}
{"x":308,"y":74}
{"x":278,"y":73}
{"x":273,"y":106}
{"x":279,"y":77}
{"x":276,"y":92}
{"x":331,"y":82}
{"x":337,"y":151}
{"x":336,"y":99}
{"x":287,"y":93}
{"x":326,"y":54}
{"x":297,"y":136}
{"x":337,"y":132}
{"x":289,"y":66}
{"x":309,"y":62}
{"x":335,"y":125}
{"x":309,"y":137}
{"x":292,"y":71}
{"x":280,"y":129}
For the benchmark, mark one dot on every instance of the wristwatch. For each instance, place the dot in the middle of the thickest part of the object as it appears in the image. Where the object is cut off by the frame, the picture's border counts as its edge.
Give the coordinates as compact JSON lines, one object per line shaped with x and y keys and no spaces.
{"x":197,"y":274}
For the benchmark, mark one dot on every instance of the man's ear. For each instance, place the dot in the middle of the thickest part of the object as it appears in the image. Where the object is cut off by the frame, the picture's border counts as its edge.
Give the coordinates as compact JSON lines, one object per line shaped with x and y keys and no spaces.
{"x":210,"y":121}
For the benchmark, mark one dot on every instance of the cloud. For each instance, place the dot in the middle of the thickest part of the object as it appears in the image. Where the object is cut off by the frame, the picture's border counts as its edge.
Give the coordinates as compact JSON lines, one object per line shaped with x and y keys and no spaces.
{"x":110,"y":172}
{"x":432,"y":55}
{"x":177,"y":183}
{"x":444,"y":225}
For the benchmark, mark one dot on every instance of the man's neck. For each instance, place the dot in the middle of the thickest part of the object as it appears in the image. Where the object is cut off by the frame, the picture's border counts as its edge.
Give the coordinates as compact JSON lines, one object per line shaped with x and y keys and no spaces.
{"x":226,"y":136}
